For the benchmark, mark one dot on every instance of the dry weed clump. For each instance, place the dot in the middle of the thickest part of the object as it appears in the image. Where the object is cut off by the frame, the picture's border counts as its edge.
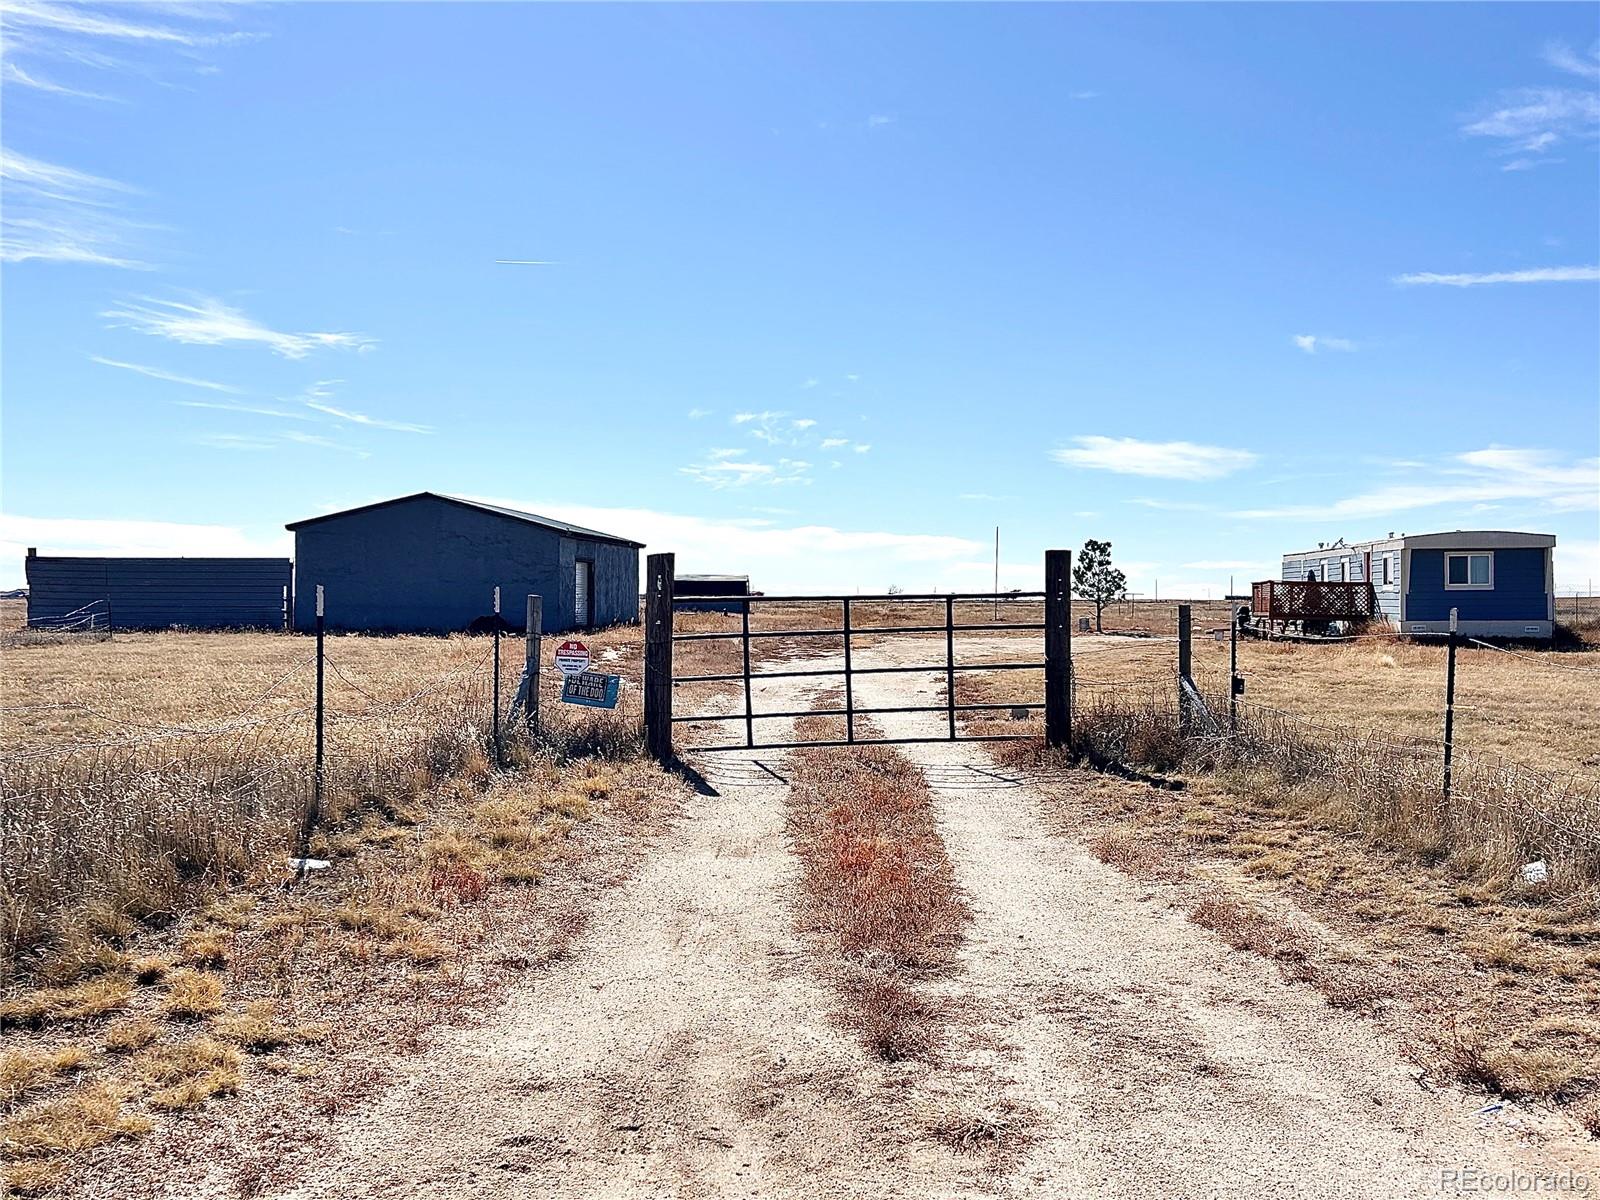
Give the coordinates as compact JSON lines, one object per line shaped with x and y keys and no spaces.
{"x":90,"y":1115}
{"x":880,"y":889}
{"x":26,"y":1071}
{"x":187,"y":1074}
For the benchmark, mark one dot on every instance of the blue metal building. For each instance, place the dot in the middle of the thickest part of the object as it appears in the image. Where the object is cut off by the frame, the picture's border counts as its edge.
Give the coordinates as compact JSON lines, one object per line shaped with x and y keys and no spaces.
{"x":429,"y":563}
{"x":711,"y":593}
{"x":1502,"y":584}
{"x":68,"y":591}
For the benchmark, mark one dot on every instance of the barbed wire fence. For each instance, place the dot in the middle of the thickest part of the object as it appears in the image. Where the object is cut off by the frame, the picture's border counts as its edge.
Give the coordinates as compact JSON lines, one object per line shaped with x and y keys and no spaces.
{"x":127,"y":813}
{"x":1429,"y":793}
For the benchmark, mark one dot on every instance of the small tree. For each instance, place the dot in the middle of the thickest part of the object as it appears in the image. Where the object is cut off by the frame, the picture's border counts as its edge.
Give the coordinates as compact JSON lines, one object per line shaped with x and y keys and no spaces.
{"x":1095,"y":579}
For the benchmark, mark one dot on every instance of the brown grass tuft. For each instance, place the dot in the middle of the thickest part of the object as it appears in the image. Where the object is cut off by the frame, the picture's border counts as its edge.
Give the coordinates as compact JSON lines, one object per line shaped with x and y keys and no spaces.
{"x":79,"y":1002}
{"x":132,"y":1034}
{"x":187,"y":1074}
{"x":34,"y":1178}
{"x":89,"y":1116}
{"x":192,"y":995}
{"x":26,"y":1071}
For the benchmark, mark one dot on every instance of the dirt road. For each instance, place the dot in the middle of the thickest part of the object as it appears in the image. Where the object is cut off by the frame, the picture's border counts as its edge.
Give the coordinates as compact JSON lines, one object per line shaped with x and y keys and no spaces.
{"x":685,"y":1047}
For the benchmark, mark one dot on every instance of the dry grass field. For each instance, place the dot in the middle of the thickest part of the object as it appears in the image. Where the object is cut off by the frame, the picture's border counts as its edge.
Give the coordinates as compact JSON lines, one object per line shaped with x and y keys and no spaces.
{"x":155,"y":785}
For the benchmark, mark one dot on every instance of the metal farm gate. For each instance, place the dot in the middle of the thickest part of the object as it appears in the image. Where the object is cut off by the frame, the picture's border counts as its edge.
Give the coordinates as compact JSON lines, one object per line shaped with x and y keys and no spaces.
{"x":660,"y":636}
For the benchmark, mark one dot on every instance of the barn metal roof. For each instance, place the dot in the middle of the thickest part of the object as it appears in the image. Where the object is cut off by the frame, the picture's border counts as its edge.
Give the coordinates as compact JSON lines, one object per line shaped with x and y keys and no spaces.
{"x":514,"y":514}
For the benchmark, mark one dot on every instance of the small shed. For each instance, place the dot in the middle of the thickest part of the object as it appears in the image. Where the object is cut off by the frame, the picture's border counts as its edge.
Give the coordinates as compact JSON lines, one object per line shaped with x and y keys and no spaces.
{"x":711,"y":593}
{"x":429,"y":563}
{"x":73,"y":591}
{"x":1501,"y":582}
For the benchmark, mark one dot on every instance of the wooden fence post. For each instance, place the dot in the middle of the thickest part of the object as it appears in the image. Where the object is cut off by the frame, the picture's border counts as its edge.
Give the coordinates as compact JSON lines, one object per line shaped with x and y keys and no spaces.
{"x":530,"y":662}
{"x":1058,"y":649}
{"x":527,"y":698}
{"x":1185,"y":676}
{"x":659,"y":579}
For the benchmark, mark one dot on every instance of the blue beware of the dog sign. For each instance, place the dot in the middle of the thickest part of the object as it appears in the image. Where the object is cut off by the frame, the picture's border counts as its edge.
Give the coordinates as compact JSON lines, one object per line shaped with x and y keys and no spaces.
{"x":592,"y":689}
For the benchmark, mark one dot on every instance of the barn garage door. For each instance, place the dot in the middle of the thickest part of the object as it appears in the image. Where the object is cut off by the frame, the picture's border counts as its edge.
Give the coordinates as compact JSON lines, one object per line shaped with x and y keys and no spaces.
{"x":583,"y":593}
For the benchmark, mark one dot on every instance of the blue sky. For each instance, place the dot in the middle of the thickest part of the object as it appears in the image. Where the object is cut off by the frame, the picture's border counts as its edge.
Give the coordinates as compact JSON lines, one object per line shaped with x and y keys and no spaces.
{"x":824,"y":292}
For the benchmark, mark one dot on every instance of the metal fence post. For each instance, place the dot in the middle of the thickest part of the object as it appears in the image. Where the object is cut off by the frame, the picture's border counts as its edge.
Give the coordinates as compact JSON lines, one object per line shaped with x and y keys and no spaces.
{"x":749,"y":702}
{"x":1058,"y":649}
{"x":950,"y":661}
{"x":1450,"y":703}
{"x":659,"y":580}
{"x":315,"y":810}
{"x":1185,"y":666}
{"x":1233,"y":668}
{"x":849,"y":687}
{"x":499,"y":756}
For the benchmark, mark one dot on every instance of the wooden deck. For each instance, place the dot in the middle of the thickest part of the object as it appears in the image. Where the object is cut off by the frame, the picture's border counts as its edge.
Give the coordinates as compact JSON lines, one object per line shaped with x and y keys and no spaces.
{"x":1297,"y":600}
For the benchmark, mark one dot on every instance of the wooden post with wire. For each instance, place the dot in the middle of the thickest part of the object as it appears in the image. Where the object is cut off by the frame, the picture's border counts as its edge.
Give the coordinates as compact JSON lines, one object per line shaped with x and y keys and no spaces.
{"x":1058,"y":649}
{"x":1450,"y":702}
{"x":659,"y":582}
{"x":530,"y":664}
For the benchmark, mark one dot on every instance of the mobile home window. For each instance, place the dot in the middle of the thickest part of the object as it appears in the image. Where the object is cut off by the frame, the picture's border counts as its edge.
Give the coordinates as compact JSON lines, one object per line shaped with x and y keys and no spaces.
{"x":1469,"y":570}
{"x":1386,"y":579}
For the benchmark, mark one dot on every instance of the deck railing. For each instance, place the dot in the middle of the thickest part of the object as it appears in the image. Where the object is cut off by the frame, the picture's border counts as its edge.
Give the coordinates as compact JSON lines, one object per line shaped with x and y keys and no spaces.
{"x":1313,"y":600}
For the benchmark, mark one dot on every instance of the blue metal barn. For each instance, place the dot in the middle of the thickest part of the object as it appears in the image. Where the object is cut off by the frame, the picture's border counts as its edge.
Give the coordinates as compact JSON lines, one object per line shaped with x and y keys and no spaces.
{"x":429,"y":563}
{"x":71,"y":591}
{"x":1501,"y":583}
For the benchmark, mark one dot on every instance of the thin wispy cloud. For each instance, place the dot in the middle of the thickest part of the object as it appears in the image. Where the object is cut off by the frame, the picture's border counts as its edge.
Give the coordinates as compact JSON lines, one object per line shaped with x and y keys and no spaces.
{"x":1170,"y":505}
{"x":236,"y":441}
{"x":830,"y":442}
{"x":1529,"y":164}
{"x":210,"y":322}
{"x":139,"y":38}
{"x":55,"y":213}
{"x":1564,"y":58}
{"x":1311,"y":343}
{"x":1530,"y":121}
{"x":257,"y":410}
{"x":357,"y":418}
{"x":879,"y":120}
{"x":164,"y":376}
{"x":699,"y":414}
{"x":13,"y":73}
{"x":727,"y":472}
{"x":1532,"y":275}
{"x":1158,"y":460}
{"x":326,"y":443}
{"x":1488,"y":476}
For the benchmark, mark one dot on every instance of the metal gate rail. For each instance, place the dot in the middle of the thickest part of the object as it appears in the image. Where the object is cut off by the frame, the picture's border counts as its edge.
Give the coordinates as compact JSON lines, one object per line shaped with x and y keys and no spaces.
{"x":661,"y":604}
